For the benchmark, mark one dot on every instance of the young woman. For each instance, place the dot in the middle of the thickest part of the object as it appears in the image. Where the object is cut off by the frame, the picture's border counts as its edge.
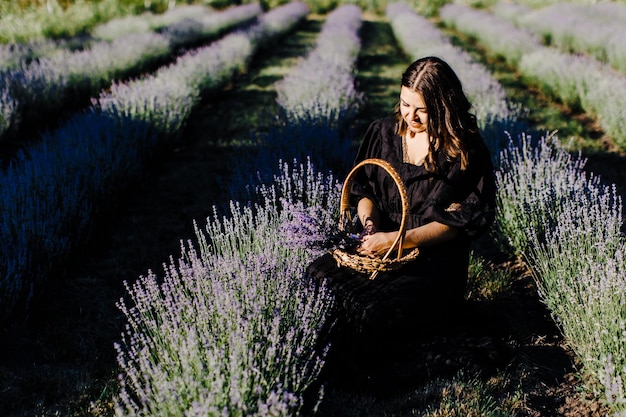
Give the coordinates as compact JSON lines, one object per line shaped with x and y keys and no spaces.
{"x":434,"y":144}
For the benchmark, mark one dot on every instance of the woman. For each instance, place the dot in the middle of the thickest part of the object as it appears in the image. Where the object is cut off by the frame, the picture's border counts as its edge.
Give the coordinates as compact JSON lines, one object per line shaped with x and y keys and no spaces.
{"x":433,"y":142}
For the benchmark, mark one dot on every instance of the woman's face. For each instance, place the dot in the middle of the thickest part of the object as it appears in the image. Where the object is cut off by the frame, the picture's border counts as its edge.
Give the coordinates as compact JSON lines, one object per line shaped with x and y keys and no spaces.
{"x":413,"y":110}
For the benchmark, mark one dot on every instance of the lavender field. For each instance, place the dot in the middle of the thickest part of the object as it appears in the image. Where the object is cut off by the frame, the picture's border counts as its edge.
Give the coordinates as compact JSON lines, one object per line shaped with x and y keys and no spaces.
{"x":154,"y":242}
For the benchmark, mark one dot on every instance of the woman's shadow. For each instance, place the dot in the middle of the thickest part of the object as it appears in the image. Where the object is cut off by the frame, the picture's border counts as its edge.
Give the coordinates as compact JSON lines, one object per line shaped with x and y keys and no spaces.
{"x":392,"y":360}
{"x":480,"y":337}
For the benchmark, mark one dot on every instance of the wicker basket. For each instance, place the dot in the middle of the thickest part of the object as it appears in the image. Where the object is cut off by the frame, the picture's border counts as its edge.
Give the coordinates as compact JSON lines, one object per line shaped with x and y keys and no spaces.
{"x":368,"y":264}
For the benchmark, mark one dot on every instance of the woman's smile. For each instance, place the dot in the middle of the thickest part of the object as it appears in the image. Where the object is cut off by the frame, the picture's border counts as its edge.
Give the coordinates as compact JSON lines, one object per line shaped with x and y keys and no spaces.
{"x":416,"y":124}
{"x":413,"y":110}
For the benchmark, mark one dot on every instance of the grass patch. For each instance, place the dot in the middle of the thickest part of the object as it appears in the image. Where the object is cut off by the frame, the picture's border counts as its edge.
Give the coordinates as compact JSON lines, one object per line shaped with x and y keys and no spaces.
{"x":461,"y":395}
{"x":486,"y":280}
{"x":381,"y":64}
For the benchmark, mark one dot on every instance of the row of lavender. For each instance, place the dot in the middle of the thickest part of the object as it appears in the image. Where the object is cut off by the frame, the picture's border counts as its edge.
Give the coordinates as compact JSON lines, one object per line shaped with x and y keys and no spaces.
{"x":324,"y":81}
{"x":579,"y":81}
{"x":14,"y":55}
{"x":23,"y":21}
{"x":148,"y":22}
{"x":566,"y":223}
{"x":596,"y":29}
{"x":232,"y":329}
{"x":52,"y":192}
{"x":44,"y":86}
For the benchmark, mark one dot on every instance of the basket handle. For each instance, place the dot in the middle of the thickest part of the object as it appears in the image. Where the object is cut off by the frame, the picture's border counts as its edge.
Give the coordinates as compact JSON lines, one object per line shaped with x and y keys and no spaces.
{"x":344,"y":204}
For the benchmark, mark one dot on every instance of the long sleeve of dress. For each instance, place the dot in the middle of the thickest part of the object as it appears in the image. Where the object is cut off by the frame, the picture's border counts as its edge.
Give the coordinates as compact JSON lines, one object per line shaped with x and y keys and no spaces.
{"x":464,"y":198}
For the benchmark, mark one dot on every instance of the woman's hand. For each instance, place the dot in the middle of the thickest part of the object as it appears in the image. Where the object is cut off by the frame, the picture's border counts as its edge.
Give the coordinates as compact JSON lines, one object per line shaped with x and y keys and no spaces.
{"x":368,"y":228}
{"x":430,"y":234}
{"x":376,"y":244}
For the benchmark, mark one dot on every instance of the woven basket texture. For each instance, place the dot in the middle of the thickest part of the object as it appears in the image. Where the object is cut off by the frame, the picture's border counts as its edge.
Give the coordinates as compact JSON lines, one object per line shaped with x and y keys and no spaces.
{"x":368,"y":264}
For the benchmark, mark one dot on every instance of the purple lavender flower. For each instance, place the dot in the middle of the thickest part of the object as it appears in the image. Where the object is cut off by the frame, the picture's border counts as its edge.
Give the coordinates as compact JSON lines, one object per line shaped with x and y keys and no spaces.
{"x":231,"y":327}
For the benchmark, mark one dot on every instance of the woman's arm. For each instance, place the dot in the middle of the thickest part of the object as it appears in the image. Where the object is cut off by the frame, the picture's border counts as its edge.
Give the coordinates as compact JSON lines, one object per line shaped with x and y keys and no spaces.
{"x":429,"y":234}
{"x":368,"y":215}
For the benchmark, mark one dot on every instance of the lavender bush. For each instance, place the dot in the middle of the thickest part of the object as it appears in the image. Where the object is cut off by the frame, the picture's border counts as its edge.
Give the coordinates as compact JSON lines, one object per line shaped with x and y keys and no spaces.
{"x":14,"y":55}
{"x":322,"y":85}
{"x":51,"y":192}
{"x":535,"y":179}
{"x":166,"y":99}
{"x":232,"y":329}
{"x":278,"y":21}
{"x":582,"y":279}
{"x":8,"y":112}
{"x":47,"y":85}
{"x":580,"y":265}
{"x":568,"y":225}
{"x":496,"y":34}
{"x":581,"y":82}
{"x":296,"y":189}
{"x":125,"y":25}
{"x":510,"y":11}
{"x":300,"y":140}
{"x":206,"y":26}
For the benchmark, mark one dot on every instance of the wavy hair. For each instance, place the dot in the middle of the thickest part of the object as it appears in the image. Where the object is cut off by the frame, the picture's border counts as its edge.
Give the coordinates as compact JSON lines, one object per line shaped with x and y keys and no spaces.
{"x":452,"y":129}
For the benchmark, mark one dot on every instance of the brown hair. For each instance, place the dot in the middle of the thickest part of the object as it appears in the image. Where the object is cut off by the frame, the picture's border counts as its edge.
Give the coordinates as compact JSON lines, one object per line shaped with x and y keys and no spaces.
{"x":451,"y":127}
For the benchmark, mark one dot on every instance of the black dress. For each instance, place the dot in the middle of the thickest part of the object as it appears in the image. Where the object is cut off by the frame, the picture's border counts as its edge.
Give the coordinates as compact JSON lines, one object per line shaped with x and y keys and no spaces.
{"x":415,"y":297}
